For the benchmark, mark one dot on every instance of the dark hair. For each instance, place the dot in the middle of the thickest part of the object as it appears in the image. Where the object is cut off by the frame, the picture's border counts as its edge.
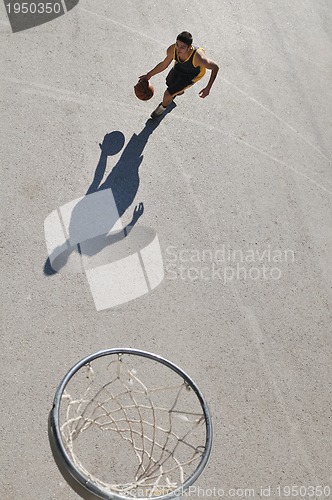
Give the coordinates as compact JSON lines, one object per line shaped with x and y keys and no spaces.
{"x":185,"y":37}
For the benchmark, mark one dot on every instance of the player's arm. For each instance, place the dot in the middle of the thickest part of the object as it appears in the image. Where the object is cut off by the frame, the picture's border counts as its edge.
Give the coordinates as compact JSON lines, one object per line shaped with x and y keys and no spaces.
{"x":202,"y":60}
{"x":160,"y":66}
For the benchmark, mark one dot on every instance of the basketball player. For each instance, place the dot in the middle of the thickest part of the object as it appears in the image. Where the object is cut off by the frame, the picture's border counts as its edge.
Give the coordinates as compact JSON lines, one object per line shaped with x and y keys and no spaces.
{"x":190,"y":65}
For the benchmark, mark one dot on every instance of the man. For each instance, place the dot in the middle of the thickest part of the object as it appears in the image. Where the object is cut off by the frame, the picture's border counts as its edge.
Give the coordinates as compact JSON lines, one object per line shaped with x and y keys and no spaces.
{"x":190,"y":65}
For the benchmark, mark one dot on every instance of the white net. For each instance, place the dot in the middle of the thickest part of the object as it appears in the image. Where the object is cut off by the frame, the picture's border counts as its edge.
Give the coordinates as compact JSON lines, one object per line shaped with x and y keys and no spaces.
{"x":132,"y":425}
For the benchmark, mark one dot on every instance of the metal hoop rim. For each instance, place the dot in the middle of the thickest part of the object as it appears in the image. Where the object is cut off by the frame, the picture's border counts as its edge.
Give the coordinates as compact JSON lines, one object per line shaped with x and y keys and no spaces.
{"x":55,"y":434}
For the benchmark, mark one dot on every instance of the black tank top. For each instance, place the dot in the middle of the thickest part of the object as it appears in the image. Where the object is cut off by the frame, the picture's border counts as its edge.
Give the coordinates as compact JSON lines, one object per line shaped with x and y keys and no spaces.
{"x":186,"y":67}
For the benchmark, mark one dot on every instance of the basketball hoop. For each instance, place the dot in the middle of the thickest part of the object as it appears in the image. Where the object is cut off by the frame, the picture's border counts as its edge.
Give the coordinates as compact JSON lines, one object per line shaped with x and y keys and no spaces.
{"x":127,"y":423}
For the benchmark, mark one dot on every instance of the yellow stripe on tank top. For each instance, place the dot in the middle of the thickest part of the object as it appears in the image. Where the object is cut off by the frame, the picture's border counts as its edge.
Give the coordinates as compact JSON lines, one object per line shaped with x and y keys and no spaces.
{"x":203,"y":69}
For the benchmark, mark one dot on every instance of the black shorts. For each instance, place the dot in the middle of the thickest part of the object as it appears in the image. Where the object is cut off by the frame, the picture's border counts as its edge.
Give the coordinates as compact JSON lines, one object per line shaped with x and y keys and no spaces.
{"x":176,"y":82}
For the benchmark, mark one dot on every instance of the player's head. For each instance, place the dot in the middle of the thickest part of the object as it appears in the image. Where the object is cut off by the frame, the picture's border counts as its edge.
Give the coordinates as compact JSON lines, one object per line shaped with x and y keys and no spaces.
{"x":185,"y":37}
{"x":183,"y":43}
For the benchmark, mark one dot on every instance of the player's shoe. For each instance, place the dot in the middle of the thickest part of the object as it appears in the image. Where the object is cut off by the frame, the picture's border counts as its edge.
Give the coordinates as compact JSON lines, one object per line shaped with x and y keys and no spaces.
{"x":158,"y":111}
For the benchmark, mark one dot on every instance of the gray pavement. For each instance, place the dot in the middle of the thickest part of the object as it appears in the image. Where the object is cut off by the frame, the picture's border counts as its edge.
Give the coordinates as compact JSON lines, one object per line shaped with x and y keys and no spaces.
{"x":238,"y":189}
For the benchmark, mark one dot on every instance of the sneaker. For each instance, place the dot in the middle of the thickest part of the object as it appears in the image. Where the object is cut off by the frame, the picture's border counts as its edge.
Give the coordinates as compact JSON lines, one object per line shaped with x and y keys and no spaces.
{"x":158,"y":111}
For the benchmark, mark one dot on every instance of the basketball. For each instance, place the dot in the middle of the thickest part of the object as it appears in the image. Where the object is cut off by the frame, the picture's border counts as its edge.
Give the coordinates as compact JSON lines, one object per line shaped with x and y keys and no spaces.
{"x":144,"y":90}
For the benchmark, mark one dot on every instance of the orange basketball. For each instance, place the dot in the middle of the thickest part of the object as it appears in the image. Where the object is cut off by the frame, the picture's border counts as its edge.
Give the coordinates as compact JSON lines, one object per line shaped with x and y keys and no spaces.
{"x":144,"y":90}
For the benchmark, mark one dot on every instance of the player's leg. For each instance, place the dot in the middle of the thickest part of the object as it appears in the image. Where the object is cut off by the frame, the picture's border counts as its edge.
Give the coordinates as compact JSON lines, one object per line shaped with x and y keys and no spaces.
{"x":176,"y":84}
{"x":167,"y":97}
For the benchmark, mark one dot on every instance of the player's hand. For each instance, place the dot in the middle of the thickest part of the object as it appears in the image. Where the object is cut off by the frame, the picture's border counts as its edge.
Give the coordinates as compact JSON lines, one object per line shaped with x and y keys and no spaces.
{"x":143,"y":77}
{"x":204,"y":92}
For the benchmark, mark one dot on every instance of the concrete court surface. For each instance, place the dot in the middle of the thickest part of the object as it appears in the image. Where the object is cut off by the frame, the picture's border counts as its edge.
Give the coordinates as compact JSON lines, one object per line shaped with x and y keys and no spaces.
{"x":238,"y":189}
